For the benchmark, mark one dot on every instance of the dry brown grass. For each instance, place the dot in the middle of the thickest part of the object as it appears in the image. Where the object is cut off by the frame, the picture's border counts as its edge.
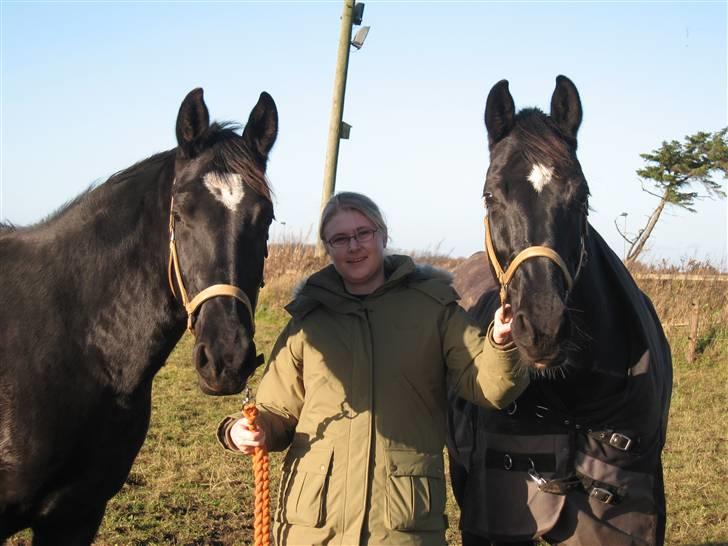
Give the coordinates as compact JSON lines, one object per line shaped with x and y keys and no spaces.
{"x":687,"y":266}
{"x":674,"y":297}
{"x":677,"y":295}
{"x":290,"y":260}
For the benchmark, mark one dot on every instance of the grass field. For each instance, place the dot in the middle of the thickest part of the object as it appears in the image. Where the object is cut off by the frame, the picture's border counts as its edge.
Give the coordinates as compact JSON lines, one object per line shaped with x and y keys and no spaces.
{"x":184,"y":489}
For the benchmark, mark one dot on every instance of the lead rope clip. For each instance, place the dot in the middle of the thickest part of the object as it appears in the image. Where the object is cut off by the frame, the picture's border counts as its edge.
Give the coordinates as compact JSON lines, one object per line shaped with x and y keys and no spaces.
{"x":535,"y":475}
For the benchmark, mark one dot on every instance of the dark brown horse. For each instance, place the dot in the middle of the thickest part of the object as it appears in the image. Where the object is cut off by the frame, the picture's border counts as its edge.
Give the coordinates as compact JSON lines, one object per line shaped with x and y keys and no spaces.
{"x":576,"y":460}
{"x":93,"y":300}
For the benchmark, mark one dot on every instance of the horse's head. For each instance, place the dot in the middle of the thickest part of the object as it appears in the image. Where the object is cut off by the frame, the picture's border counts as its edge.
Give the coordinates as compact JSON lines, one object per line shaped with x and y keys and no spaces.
{"x":536,"y":196}
{"x":220,"y":214}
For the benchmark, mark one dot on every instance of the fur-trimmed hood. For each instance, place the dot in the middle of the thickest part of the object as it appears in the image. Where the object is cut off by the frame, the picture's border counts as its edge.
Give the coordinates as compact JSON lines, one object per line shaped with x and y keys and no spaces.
{"x":325,"y":287}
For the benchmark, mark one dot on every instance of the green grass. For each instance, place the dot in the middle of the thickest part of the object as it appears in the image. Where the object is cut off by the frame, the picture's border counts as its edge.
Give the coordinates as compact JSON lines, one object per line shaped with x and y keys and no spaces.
{"x":695,"y":457}
{"x":185,"y":489}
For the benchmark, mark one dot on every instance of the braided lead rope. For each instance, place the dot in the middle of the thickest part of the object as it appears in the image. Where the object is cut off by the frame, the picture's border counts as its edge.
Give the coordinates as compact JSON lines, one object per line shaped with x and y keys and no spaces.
{"x":261,"y":471}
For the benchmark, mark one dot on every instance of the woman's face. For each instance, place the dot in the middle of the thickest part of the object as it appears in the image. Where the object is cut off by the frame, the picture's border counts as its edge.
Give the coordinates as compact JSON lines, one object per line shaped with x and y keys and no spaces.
{"x":360,"y":263}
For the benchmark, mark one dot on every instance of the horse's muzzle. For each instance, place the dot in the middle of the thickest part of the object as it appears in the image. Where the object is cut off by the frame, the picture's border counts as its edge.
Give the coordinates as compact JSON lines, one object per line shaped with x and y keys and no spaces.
{"x":220,"y":371}
{"x":542,"y":342}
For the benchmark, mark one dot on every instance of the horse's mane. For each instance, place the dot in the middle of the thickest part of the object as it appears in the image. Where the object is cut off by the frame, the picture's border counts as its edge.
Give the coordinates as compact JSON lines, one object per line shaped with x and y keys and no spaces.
{"x":153,"y":162}
{"x":9,"y":227}
{"x":230,"y":156}
{"x":542,"y":140}
{"x":91,"y":196}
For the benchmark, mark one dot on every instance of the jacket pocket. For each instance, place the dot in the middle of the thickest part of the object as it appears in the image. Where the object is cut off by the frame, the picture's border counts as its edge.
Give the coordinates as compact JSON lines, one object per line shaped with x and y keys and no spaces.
{"x":415,"y":499}
{"x":302,"y":494}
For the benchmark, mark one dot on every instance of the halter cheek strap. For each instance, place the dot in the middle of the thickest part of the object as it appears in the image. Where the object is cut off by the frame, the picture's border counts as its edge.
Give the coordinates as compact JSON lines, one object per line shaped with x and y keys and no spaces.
{"x":213,"y":291}
{"x":504,"y":277}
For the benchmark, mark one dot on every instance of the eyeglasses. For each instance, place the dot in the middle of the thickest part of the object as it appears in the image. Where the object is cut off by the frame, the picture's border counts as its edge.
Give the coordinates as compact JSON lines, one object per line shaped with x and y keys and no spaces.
{"x":362,"y":235}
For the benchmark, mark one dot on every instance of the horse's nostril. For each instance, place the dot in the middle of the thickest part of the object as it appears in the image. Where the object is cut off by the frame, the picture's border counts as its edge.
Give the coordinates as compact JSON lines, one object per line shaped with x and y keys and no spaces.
{"x":201,"y":357}
{"x":523,"y":326}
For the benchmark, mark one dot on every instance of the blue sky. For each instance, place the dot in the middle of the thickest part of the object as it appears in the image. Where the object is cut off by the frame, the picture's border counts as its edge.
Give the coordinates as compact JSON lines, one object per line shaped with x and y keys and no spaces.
{"x":89,"y":88}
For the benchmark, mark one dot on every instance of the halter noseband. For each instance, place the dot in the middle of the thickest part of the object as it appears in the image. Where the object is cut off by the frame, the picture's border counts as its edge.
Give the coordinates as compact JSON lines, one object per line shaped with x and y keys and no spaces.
{"x":504,"y":277}
{"x":210,"y":292}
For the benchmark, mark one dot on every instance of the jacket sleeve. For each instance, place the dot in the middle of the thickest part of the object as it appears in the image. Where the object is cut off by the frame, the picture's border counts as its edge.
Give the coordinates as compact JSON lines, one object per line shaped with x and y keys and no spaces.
{"x":281,"y":391}
{"x":478,"y":369}
{"x":223,"y":431}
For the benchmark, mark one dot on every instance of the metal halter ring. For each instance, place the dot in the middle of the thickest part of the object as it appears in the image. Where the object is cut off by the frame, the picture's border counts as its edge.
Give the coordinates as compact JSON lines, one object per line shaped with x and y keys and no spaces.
{"x":507,"y":462}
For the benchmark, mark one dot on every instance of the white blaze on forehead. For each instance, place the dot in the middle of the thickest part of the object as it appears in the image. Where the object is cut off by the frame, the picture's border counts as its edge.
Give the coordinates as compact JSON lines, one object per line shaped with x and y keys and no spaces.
{"x":227,"y":188}
{"x":540,"y":176}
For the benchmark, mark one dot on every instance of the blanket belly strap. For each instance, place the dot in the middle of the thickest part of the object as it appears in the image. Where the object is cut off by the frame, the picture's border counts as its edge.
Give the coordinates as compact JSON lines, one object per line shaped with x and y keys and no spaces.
{"x":620,"y":440}
{"x":545,"y":462}
{"x":535,"y":464}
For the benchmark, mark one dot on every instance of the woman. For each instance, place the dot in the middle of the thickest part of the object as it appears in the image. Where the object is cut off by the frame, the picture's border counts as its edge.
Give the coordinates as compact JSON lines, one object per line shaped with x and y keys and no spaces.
{"x":355,"y":387}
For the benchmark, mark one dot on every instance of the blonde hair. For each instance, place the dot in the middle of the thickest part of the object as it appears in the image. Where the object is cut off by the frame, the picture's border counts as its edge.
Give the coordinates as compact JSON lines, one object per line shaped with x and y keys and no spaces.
{"x":349,"y":200}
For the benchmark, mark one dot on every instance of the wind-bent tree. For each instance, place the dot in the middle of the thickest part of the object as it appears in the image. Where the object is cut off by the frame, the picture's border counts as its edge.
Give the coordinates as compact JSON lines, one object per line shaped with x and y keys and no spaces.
{"x":674,"y":169}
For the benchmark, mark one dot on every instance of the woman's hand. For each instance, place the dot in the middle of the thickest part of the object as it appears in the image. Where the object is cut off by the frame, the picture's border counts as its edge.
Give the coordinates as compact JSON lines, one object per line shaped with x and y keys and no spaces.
{"x":502,"y":325}
{"x":245,"y":439}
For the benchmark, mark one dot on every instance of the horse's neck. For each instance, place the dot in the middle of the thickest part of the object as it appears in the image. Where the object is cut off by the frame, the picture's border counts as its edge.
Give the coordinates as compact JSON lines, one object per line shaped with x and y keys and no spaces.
{"x":131,"y":324}
{"x":607,"y":331}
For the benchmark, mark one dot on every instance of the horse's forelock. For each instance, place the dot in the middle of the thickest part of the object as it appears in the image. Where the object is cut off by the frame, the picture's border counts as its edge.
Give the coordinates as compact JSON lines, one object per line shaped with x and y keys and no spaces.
{"x":231,"y":155}
{"x":542,"y":144}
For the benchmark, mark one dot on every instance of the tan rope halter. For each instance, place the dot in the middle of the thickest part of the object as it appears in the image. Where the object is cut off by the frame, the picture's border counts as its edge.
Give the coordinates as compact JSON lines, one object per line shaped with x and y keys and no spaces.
{"x":213,"y":291}
{"x":504,"y":277}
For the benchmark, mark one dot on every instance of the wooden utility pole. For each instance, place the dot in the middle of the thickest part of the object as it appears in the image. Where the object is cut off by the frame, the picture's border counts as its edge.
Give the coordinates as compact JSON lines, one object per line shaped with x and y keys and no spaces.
{"x":337,"y":111}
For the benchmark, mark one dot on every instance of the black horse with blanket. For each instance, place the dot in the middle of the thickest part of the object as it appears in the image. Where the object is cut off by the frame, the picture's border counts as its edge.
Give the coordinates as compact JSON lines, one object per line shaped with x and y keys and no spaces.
{"x":577,"y":458}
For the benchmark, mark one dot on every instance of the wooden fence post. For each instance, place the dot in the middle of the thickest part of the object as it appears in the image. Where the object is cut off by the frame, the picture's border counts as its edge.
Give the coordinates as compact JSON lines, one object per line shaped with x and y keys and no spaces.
{"x":693,"y":332}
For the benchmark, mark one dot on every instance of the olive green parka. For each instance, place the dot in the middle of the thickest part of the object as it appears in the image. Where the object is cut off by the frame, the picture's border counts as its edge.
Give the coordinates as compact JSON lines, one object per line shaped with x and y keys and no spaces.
{"x":357,"y":388}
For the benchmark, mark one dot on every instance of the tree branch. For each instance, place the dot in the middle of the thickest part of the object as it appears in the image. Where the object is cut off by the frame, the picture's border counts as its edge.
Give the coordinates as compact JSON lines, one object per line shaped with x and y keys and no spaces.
{"x":642,"y":183}
{"x":623,"y":235}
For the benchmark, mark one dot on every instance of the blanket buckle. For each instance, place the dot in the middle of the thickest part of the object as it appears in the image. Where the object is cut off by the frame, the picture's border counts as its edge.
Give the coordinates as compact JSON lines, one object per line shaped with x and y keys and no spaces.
{"x":620,"y":441}
{"x":601,"y":494}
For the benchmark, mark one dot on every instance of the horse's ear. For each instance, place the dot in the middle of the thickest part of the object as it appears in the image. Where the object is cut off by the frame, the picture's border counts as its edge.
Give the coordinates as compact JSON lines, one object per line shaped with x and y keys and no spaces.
{"x":566,"y":107}
{"x":499,"y":113}
{"x":192,"y":120}
{"x":262,"y":128}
